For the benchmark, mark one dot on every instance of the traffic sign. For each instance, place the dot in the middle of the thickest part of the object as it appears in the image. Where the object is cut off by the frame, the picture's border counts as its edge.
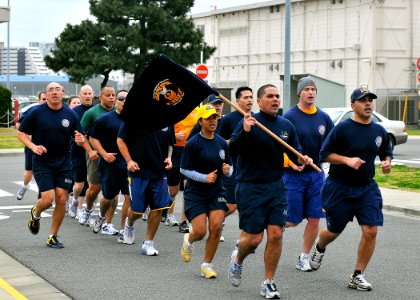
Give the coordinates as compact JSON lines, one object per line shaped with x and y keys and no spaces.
{"x":202,"y":71}
{"x":418,"y":63}
{"x":418,"y":76}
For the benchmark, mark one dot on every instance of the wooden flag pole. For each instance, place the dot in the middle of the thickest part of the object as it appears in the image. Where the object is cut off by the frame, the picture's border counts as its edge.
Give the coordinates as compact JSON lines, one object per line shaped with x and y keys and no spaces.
{"x":269,"y":132}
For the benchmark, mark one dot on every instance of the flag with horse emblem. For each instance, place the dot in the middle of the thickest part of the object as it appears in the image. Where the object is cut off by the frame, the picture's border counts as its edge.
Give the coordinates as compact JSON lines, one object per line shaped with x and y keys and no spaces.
{"x":164,"y":94}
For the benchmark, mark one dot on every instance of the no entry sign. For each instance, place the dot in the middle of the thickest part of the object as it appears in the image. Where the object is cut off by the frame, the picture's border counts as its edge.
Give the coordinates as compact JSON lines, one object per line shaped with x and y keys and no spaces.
{"x":202,"y":71}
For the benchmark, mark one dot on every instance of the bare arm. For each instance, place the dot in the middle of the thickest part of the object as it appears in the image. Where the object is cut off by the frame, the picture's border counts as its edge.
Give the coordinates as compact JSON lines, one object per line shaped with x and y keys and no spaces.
{"x":26,"y":140}
{"x":108,"y":157}
{"x":352,"y":162}
{"x":132,"y":166}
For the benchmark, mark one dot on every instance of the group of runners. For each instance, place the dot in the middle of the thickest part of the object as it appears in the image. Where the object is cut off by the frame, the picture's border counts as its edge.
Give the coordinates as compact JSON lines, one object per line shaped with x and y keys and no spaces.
{"x":226,"y":163}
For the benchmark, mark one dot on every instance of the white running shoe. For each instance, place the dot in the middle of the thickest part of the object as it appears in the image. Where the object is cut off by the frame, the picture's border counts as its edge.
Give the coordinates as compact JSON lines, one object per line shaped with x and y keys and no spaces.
{"x":97,"y":224}
{"x":147,"y":248}
{"x":78,"y":213}
{"x":145,"y":214}
{"x":316,"y":259}
{"x":269,"y":290}
{"x":21,"y":192}
{"x":84,"y":217}
{"x":120,"y":238}
{"x":303,"y":263}
{"x":235,"y":270}
{"x":171,"y":220}
{"x":72,"y":210}
{"x":128,"y":236}
{"x":109,"y":229}
{"x":359,"y":283}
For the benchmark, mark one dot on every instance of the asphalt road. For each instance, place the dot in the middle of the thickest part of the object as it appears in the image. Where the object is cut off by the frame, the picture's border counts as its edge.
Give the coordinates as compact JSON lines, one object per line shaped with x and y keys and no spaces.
{"x":96,"y":266}
{"x":408,"y":153}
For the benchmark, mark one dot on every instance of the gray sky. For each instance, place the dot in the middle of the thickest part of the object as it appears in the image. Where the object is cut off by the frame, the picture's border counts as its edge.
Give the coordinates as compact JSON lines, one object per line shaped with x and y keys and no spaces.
{"x":43,"y":20}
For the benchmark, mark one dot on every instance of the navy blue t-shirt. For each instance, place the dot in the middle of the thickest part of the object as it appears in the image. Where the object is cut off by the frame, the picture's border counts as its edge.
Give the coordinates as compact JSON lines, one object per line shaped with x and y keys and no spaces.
{"x":148,"y":149}
{"x":260,"y":156}
{"x":105,"y":129}
{"x":204,"y":156}
{"x":52,"y":129}
{"x":312,"y":129}
{"x":352,"y":139}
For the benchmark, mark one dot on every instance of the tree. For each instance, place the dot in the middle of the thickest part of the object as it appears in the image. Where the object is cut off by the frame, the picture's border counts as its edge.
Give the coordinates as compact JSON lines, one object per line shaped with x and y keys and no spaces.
{"x":127,"y":34}
{"x":5,"y":105}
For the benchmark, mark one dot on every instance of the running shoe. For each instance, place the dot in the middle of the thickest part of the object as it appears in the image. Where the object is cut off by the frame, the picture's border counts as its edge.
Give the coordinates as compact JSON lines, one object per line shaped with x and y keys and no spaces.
{"x":359,"y":283}
{"x":207,"y":271}
{"x":21,"y":192}
{"x":303,"y":263}
{"x":145,"y":214}
{"x":97,"y":225}
{"x":147,"y":248}
{"x":72,"y":210}
{"x":316,"y":259}
{"x":109,"y":229}
{"x":84,"y":217}
{"x":171,"y":220}
{"x":128,"y":234}
{"x":222,"y":238}
{"x":33,"y":223}
{"x":184,"y":227}
{"x":235,"y":270}
{"x":53,"y":242}
{"x":187,"y":249}
{"x":120,"y":238}
{"x":269,"y":290}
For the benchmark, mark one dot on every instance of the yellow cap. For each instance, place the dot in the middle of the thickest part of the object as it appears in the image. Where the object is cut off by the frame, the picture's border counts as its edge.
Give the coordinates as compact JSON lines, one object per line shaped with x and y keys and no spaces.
{"x":206,"y":111}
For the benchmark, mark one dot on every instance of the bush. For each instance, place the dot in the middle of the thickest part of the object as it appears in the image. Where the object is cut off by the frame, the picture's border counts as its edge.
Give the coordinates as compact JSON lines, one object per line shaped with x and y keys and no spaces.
{"x":5,"y":105}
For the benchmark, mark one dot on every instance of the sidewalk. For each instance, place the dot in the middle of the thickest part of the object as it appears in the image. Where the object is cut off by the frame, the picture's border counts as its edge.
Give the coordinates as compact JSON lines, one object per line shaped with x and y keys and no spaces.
{"x":18,"y":282}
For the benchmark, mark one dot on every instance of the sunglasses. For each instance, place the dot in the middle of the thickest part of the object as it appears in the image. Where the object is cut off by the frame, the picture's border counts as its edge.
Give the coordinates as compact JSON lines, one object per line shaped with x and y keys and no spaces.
{"x":121,"y":98}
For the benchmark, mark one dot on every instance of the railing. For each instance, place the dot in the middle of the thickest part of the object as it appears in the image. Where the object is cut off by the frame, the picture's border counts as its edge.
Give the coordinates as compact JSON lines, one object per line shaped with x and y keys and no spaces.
{"x":7,"y":120}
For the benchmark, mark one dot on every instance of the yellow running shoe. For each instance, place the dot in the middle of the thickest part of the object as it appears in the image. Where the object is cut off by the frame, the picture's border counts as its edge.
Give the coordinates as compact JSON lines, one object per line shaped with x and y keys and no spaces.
{"x":187,"y":249}
{"x":207,"y":271}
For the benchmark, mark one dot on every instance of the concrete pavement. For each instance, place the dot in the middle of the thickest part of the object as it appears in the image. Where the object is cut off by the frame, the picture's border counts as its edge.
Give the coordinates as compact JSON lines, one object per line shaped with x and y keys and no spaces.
{"x":19,"y":282}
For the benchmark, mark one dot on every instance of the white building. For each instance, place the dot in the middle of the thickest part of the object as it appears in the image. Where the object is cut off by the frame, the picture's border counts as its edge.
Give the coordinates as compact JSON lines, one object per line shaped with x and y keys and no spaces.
{"x":346,"y":41}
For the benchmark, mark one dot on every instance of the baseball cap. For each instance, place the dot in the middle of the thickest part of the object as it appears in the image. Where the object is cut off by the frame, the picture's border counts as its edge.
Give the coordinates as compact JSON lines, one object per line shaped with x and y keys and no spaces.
{"x":360,"y":93}
{"x":214,"y":99}
{"x":304,"y":82}
{"x":206,"y":111}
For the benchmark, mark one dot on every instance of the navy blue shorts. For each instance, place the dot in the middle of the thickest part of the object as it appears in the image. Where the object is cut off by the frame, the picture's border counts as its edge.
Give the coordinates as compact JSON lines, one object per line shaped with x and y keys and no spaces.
{"x":79,"y":171}
{"x":343,"y":202}
{"x":113,"y":180}
{"x":260,"y":205}
{"x":52,"y":173}
{"x":196,"y":207}
{"x":149,"y":192}
{"x":28,"y":159}
{"x":303,"y":193}
{"x":229,"y":183}
{"x":174,"y":175}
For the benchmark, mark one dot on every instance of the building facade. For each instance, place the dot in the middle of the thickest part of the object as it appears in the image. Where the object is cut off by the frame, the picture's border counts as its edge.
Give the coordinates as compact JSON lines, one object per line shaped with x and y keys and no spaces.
{"x":351,"y":42}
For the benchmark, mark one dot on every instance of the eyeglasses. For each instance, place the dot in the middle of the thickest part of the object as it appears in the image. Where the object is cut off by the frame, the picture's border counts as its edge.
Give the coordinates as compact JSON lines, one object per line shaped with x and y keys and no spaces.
{"x":57,"y":89}
{"x":121,"y":98}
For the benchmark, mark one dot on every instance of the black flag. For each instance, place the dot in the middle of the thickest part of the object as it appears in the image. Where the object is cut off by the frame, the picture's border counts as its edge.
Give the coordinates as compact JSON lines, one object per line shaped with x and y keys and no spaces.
{"x":164,"y":94}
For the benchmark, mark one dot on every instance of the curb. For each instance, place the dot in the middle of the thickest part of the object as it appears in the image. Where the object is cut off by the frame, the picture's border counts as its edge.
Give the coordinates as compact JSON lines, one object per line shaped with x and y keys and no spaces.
{"x":405,"y":211}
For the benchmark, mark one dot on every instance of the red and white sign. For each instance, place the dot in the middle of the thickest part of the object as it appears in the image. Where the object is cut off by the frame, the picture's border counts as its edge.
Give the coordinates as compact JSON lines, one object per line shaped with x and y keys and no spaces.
{"x":418,"y":76}
{"x":418,"y":63}
{"x":202,"y":71}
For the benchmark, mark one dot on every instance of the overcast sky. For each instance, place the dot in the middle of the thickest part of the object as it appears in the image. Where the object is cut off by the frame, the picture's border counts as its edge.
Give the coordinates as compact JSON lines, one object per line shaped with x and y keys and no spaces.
{"x":43,"y":20}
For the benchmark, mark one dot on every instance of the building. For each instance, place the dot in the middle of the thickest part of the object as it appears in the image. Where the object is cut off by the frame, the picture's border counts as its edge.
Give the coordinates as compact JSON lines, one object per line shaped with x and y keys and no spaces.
{"x":350,"y":42}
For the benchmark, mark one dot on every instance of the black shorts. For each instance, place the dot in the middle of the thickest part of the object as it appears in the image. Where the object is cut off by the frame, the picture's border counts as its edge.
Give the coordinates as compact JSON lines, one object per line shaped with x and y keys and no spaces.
{"x":52,"y":173}
{"x":28,"y":159}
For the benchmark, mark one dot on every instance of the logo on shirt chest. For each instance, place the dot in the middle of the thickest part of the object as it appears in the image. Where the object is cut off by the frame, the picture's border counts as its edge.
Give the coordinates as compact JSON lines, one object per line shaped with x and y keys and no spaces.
{"x":65,"y":123}
{"x":378,"y":141}
{"x":321,"y":130}
{"x":284,"y":135}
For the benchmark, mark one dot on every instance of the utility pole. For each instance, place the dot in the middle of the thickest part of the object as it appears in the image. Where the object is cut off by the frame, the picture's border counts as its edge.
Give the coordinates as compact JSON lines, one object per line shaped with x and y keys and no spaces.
{"x":286,"y":85}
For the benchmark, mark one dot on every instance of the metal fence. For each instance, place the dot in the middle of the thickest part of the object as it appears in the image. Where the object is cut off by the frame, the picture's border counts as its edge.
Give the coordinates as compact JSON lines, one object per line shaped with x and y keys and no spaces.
{"x":399,"y":104}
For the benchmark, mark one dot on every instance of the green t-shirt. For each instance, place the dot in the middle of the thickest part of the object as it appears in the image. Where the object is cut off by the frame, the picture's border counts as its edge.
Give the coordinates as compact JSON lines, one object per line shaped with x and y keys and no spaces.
{"x":91,"y":115}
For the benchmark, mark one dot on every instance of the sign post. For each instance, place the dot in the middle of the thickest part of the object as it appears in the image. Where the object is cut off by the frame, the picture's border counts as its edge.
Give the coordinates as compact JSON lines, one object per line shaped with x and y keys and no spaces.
{"x":202,"y":71}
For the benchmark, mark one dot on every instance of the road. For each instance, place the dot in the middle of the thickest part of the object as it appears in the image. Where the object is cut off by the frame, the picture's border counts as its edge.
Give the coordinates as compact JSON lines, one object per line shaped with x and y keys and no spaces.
{"x":96,"y":266}
{"x":408,"y":153}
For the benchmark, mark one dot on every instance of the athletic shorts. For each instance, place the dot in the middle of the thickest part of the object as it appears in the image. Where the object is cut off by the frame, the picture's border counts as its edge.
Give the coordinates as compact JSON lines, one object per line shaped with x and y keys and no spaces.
{"x":260,"y":205}
{"x":52,"y":173}
{"x":28,"y":159}
{"x":113,"y":180}
{"x":229,"y":183}
{"x":92,"y":170}
{"x":196,"y":207}
{"x":79,"y":171}
{"x":303,"y":193}
{"x":343,"y":202}
{"x":174,"y":175}
{"x":149,"y":192}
